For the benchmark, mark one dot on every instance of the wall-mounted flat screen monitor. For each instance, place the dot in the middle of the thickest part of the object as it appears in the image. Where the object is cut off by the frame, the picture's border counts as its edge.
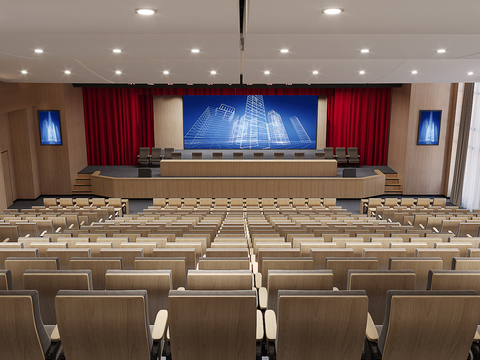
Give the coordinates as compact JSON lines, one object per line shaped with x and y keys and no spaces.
{"x":250,"y":121}
{"x":429,"y":127}
{"x":49,"y":121}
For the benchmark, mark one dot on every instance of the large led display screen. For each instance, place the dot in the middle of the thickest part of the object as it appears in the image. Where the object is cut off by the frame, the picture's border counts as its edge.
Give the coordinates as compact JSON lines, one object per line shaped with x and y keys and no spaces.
{"x":249,"y":122}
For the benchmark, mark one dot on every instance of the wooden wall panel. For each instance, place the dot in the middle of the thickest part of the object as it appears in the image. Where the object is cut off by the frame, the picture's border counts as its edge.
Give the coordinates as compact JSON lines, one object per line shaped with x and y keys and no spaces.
{"x":23,"y":156}
{"x":322,"y":122}
{"x":16,"y":96}
{"x":6,"y":147}
{"x":168,"y":121}
{"x":397,"y":142}
{"x":425,"y":167}
{"x":77,"y":146}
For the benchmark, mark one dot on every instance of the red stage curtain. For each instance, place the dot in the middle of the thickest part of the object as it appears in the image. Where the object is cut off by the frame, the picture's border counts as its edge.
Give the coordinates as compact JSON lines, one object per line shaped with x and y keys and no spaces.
{"x":117,"y":123}
{"x":360,"y":118}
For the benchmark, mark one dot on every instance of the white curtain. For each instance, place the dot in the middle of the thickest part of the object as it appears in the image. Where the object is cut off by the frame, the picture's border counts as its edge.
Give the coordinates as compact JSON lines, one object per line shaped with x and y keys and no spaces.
{"x":471,"y":184}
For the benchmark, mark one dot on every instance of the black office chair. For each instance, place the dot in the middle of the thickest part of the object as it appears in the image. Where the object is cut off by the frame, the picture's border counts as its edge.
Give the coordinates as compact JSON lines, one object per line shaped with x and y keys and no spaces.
{"x":143,"y":156}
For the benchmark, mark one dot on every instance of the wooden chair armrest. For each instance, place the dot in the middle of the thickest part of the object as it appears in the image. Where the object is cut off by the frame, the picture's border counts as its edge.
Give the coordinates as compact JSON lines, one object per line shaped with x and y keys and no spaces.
{"x":43,"y":233}
{"x":477,"y":336}
{"x":335,"y":288}
{"x":270,"y":325}
{"x":55,"y":335}
{"x":435,"y":230}
{"x":71,"y":226}
{"x":262,"y":298}
{"x":410,"y":223}
{"x":371,"y":331}
{"x":58,"y":230}
{"x":6,"y":240}
{"x":82,"y":223}
{"x":160,"y":325}
{"x":181,"y":288}
{"x":450,"y":232}
{"x":468,"y":235}
{"x":258,"y":280}
{"x":28,"y":235}
{"x":260,"y":332}
{"x":422,"y":227}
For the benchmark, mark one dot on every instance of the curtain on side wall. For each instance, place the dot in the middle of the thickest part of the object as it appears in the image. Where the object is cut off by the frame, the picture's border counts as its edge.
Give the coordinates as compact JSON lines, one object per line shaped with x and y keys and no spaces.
{"x":360,"y":118}
{"x":471,"y":189}
{"x":118,"y":121}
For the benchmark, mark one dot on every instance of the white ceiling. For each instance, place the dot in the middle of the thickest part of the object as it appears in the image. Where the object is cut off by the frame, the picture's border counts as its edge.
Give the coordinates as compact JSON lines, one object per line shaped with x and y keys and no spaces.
{"x":79,"y":36}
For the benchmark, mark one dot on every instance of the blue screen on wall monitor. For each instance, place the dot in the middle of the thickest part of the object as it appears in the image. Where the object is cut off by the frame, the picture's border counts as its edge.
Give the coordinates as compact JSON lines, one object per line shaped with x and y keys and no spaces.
{"x":49,"y":122}
{"x":249,"y":122}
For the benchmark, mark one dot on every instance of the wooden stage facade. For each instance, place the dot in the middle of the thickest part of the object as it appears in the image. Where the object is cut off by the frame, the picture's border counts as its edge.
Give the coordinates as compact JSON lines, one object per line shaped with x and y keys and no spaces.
{"x":186,"y":186}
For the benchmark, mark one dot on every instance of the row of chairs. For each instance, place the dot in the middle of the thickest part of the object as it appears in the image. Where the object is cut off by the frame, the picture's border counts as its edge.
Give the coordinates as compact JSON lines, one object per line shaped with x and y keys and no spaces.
{"x":341,"y":155}
{"x":231,"y":319}
{"x":120,"y":205}
{"x":368,"y":206}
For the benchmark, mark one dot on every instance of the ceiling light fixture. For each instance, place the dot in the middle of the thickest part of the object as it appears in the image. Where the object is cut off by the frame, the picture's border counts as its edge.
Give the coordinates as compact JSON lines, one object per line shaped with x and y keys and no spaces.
{"x":332,"y":11}
{"x":414,"y":72}
{"x":284,"y":51}
{"x":24,"y":72}
{"x":315,"y":72}
{"x":145,"y":11}
{"x":68,"y":72}
{"x":39,"y":51}
{"x":118,"y":72}
{"x":361,"y":72}
{"x":117,"y":51}
{"x":266,"y":72}
{"x":195,"y":51}
{"x":213,"y":72}
{"x":470,"y":73}
{"x":166,"y":72}
{"x":364,"y":51}
{"x":441,"y":51}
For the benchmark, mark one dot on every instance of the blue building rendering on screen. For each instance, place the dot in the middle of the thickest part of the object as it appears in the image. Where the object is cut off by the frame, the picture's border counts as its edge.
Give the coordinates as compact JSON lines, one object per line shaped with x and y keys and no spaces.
{"x":223,"y":127}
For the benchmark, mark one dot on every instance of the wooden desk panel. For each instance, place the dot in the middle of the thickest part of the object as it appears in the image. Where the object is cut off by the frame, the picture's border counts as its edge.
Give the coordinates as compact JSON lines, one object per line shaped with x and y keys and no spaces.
{"x":248,"y":167}
{"x":218,"y":187}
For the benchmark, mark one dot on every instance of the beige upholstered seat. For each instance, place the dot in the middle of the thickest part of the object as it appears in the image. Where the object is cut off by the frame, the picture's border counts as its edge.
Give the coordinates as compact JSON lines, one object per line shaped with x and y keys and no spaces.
{"x":318,"y":324}
{"x":208,"y":334}
{"x":49,"y":282}
{"x":112,"y":333}
{"x":426,"y":325}
{"x":157,"y":283}
{"x":22,"y":332}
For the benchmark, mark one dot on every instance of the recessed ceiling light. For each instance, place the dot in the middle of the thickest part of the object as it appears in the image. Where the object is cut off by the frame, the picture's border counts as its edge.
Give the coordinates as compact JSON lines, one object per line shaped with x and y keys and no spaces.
{"x":266,"y":72}
{"x":145,"y":11}
{"x":38,"y":51}
{"x":118,"y":72}
{"x":284,"y":51}
{"x":117,"y":51}
{"x":24,"y":71}
{"x":365,"y":51}
{"x":213,"y":72}
{"x":414,"y":72}
{"x":361,"y":72}
{"x":166,"y":72}
{"x":68,"y":72}
{"x":470,"y":73}
{"x":332,"y":11}
{"x":195,"y":50}
{"x":315,"y":72}
{"x":441,"y":51}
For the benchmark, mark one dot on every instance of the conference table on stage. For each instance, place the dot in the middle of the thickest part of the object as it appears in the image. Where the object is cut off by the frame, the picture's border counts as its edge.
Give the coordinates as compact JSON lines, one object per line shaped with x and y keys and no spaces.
{"x":249,"y":167}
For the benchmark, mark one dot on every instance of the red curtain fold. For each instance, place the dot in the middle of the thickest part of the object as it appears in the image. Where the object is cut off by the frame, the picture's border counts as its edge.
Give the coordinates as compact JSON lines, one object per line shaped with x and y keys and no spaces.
{"x":118,"y":121}
{"x":359,"y":118}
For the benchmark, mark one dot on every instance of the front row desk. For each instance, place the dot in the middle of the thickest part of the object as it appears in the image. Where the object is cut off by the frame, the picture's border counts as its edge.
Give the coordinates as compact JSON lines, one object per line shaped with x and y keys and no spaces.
{"x":258,"y":168}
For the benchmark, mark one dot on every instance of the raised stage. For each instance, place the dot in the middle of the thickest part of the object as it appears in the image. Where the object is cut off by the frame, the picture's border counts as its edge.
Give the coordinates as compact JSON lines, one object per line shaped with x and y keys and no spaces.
{"x":122,"y":181}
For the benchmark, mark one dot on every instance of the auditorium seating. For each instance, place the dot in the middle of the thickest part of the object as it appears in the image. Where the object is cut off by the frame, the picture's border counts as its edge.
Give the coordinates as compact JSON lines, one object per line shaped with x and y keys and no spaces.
{"x":156,"y":156}
{"x":353,"y":157}
{"x":167,"y":154}
{"x":144,"y":156}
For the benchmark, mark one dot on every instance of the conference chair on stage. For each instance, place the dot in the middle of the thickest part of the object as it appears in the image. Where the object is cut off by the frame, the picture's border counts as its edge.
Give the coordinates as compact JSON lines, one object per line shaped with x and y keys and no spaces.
{"x":341,"y":155}
{"x":156,"y":156}
{"x":143,"y":155}
{"x":168,"y":153}
{"x":176,"y":155}
{"x":238,"y":155}
{"x":353,"y":157}
{"x":197,"y":155}
{"x":258,"y":155}
{"x":329,"y":153}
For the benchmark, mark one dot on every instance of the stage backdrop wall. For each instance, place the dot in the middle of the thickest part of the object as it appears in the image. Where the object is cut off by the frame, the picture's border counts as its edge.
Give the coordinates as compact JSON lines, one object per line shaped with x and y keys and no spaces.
{"x":118,"y":121}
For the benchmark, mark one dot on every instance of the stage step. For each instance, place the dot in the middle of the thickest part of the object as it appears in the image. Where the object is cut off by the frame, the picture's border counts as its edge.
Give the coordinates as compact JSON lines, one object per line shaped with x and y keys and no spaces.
{"x":393,"y":185}
{"x":83,"y":184}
